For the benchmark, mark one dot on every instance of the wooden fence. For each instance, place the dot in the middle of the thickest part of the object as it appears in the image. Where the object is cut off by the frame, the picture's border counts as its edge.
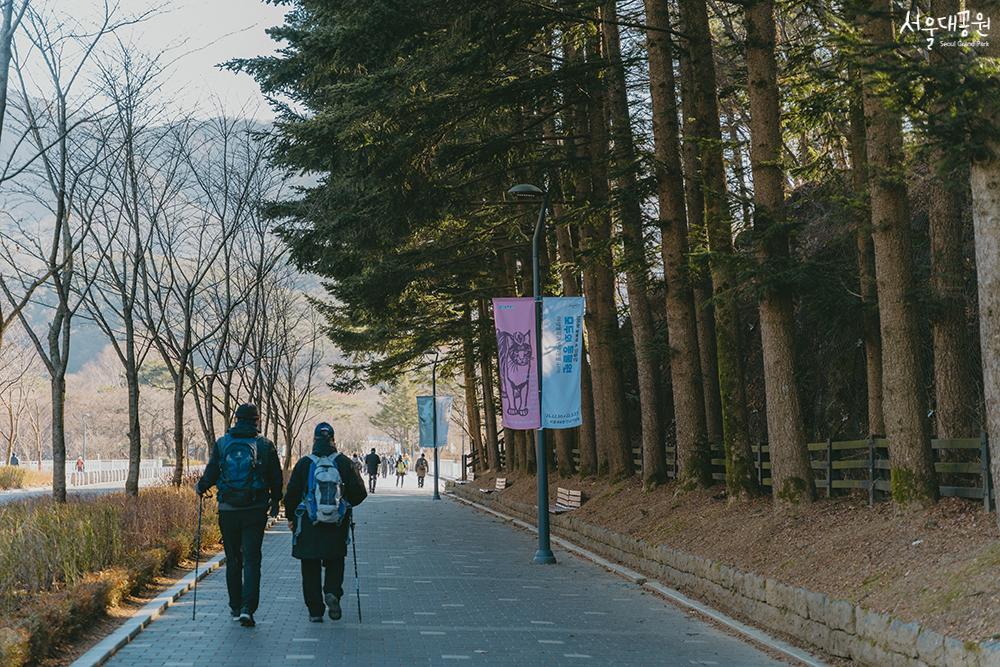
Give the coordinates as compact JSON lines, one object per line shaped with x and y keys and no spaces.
{"x":962,"y":465}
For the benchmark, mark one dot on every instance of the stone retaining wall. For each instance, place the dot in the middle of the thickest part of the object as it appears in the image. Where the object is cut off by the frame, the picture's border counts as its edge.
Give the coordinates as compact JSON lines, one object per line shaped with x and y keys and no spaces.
{"x":837,"y":627}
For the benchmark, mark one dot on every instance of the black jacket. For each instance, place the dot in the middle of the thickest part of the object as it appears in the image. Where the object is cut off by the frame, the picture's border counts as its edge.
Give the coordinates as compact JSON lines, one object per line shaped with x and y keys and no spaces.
{"x":321,"y":541}
{"x":267,"y":457}
{"x":371,"y":462}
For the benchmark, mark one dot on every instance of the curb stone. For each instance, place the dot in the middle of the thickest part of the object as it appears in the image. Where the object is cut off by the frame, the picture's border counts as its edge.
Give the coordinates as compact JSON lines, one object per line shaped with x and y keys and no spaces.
{"x":107,"y":647}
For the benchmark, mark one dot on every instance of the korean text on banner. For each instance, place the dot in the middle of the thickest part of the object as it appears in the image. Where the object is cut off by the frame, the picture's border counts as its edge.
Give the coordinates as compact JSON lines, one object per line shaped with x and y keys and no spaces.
{"x":562,"y":346}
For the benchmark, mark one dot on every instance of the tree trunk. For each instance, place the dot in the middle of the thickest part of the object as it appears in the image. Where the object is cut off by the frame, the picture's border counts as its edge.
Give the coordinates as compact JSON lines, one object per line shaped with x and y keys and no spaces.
{"x":866,"y":265}
{"x":955,"y":396}
{"x":791,"y":472}
{"x":741,"y":477}
{"x":599,"y":286}
{"x":693,"y":458}
{"x":471,"y":400}
{"x":178,"y":429}
{"x":576,"y":120}
{"x":629,"y":206}
{"x":134,"y":431}
{"x":904,"y":404}
{"x":701,"y":280}
{"x":489,"y":403}
{"x":57,"y":383}
{"x":566,"y":439}
{"x":530,"y":451}
{"x":6,"y":53}
{"x":985,"y":180}
{"x":588,"y":430}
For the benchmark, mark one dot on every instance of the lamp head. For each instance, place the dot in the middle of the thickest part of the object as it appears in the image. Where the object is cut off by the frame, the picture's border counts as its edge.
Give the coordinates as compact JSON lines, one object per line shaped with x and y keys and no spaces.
{"x":525,"y":192}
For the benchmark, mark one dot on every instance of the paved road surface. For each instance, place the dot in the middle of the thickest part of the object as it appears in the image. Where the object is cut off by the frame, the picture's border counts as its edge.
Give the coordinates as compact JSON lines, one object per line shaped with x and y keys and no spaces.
{"x":441,"y":584}
{"x":13,"y":495}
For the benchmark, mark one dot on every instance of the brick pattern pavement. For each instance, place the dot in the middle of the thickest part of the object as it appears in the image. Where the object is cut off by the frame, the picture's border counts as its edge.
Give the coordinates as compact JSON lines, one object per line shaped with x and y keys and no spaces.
{"x":440,"y":584}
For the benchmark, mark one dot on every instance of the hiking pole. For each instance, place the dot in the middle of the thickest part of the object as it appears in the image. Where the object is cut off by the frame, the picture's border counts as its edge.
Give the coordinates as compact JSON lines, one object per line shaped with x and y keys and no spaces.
{"x":357,"y":582}
{"x":197,"y":559}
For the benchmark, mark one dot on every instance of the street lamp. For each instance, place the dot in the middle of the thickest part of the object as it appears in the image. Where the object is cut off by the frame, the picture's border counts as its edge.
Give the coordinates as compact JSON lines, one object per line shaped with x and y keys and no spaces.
{"x":525,"y":192}
{"x":434,"y":421}
{"x":83,"y":420}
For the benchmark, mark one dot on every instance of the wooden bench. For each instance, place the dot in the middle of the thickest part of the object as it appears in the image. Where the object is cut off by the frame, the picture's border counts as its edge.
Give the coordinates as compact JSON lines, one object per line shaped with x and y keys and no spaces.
{"x":500,"y":485}
{"x":567,"y":500}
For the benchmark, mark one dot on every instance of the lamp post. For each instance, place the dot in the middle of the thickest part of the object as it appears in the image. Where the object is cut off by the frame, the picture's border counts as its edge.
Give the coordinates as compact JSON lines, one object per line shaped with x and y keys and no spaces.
{"x":434,"y":422}
{"x":529,"y":193}
{"x":437,"y":495}
{"x":83,"y":420}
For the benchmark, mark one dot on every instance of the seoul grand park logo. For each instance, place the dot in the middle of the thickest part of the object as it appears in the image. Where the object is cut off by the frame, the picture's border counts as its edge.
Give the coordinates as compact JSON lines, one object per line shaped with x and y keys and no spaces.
{"x":968,"y":28}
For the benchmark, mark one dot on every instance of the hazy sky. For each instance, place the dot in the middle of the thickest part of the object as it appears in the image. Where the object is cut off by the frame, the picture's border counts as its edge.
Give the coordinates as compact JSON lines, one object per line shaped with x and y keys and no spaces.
{"x":209,"y":32}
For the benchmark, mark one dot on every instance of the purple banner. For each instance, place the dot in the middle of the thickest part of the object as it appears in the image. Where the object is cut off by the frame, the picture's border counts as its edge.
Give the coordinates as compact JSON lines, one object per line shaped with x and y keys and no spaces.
{"x":518,"y":365}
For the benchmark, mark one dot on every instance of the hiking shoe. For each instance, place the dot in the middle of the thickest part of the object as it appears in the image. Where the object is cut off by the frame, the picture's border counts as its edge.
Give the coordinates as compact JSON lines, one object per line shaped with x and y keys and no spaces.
{"x":333,"y":606}
{"x":246,"y":619}
{"x":316,"y":619}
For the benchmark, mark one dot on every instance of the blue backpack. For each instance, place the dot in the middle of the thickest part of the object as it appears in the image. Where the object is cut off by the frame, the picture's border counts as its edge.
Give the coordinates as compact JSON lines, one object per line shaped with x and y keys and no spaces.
{"x":324,"y":500}
{"x":241,"y":482}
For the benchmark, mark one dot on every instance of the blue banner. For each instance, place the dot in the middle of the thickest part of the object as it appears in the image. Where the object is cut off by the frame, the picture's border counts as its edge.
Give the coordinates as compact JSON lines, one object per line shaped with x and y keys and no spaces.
{"x":425,"y":411}
{"x":562,"y":346}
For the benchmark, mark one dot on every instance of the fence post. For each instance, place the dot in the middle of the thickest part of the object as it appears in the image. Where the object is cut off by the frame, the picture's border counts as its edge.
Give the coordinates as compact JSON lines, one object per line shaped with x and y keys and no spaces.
{"x":871,"y":470}
{"x":829,"y":467}
{"x":984,"y":463}
{"x":760,"y":465}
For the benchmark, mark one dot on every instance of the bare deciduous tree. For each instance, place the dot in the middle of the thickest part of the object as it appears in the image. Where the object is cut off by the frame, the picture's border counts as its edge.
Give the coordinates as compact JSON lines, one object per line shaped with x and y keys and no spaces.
{"x":44,"y":271}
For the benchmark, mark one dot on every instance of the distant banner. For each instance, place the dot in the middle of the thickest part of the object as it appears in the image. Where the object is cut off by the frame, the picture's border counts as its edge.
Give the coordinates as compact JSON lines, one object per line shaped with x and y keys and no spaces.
{"x":515,"y":327}
{"x":425,"y":412}
{"x":562,"y":344}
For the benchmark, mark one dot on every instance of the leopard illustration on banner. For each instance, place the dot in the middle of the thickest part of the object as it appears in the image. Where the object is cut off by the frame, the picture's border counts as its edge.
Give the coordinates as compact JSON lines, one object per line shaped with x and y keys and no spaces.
{"x":515,"y":328}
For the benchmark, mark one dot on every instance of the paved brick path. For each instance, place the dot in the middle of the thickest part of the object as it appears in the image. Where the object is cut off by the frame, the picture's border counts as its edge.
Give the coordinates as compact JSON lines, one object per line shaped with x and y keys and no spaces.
{"x":440,"y":584}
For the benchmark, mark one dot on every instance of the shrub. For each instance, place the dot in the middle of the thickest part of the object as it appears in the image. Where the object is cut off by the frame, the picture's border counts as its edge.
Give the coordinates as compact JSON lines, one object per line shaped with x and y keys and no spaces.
{"x":11,"y":477}
{"x":63,"y":565}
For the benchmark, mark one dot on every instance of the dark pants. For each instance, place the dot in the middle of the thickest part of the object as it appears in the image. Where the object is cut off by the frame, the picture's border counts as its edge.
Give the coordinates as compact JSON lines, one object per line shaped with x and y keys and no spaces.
{"x":242,"y":535}
{"x":372,"y":476}
{"x":420,"y":481}
{"x":314,"y":585}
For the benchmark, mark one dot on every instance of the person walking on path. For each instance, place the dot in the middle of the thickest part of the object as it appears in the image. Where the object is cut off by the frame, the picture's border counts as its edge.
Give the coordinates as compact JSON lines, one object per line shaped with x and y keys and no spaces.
{"x":80,"y":467}
{"x":14,"y":461}
{"x":400,"y":471}
{"x":385,"y":467}
{"x":421,"y":469}
{"x":323,"y":489}
{"x":244,"y":466}
{"x":372,"y":462}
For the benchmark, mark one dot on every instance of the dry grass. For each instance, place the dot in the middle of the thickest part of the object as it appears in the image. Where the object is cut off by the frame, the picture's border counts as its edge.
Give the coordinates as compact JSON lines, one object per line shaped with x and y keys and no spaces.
{"x":21,"y":477}
{"x":62,"y":565}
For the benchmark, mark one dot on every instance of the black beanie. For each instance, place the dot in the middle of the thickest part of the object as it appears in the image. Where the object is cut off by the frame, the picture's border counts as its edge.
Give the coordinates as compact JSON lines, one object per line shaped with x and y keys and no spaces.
{"x":246,"y":412}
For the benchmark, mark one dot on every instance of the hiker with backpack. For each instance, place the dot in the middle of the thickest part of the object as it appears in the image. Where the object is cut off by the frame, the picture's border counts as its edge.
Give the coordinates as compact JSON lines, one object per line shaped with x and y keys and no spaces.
{"x":400,"y":471}
{"x":323,"y":488}
{"x":244,"y":467}
{"x":372,"y":462}
{"x":421,"y":469}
